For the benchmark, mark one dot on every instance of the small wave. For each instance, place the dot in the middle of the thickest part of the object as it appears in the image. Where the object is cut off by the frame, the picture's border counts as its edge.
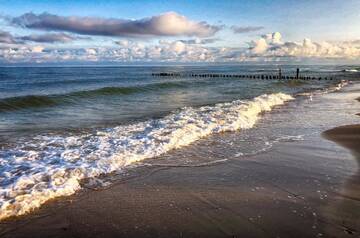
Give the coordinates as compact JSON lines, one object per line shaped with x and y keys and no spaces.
{"x":350,"y":70}
{"x":337,"y":86}
{"x":36,"y":101}
{"x":332,"y":88}
{"x":206,"y":164}
{"x":51,"y":166}
{"x":32,"y":101}
{"x":269,"y":144}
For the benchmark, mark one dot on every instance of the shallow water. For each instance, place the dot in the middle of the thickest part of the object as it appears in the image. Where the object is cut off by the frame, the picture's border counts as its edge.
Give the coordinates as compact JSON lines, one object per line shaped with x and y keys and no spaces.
{"x":48,"y":99}
{"x":62,"y":125}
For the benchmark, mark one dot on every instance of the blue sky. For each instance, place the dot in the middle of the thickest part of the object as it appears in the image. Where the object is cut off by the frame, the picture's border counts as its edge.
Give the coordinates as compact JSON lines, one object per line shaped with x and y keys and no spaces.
{"x":322,"y":20}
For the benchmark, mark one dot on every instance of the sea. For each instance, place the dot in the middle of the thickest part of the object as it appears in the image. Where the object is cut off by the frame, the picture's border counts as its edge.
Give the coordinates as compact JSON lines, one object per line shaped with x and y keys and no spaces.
{"x":60,"y":126}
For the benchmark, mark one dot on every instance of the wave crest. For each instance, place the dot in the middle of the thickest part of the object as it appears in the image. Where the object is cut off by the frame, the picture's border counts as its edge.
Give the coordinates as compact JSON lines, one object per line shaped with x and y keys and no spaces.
{"x":37,"y":101}
{"x":53,"y":166}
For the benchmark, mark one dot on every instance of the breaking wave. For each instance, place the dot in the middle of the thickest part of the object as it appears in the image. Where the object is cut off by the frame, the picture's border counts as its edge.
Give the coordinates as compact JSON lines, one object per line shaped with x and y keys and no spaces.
{"x":350,"y":70}
{"x":50,"y":166}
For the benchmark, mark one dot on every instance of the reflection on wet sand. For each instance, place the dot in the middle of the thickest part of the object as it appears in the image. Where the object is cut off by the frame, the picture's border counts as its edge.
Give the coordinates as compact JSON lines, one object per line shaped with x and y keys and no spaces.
{"x":346,"y":210}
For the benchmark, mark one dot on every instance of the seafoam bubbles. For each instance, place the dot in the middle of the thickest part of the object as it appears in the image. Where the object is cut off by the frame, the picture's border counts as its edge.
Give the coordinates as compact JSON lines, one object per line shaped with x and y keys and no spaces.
{"x":52,"y":166}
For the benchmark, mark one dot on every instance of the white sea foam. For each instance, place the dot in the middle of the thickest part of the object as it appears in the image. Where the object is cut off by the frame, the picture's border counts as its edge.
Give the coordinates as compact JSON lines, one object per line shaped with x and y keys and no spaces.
{"x":52,"y":166}
{"x":333,"y":88}
{"x":350,"y":70}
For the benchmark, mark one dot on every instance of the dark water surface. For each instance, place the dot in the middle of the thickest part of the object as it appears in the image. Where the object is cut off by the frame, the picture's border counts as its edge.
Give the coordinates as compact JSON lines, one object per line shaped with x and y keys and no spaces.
{"x":34,"y":99}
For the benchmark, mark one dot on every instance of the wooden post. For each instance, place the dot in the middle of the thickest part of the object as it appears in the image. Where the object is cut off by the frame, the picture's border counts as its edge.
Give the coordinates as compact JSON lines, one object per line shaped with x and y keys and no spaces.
{"x":297,"y":73}
{"x":279,"y":73}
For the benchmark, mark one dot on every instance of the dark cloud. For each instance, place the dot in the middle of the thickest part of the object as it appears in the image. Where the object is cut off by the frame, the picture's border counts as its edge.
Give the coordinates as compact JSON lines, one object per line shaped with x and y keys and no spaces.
{"x":200,"y":41}
{"x":7,"y":38}
{"x":355,"y":42}
{"x":167,"y":24}
{"x":246,"y":29}
{"x":49,"y":38}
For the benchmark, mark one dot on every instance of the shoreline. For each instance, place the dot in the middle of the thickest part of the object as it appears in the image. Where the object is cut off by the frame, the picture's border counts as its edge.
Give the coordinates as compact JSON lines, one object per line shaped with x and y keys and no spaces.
{"x":296,"y":189}
{"x":347,"y":208}
{"x":348,"y":136}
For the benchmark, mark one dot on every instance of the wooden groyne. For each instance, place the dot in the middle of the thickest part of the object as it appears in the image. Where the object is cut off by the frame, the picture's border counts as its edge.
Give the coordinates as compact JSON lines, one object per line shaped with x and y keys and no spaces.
{"x":278,"y":76}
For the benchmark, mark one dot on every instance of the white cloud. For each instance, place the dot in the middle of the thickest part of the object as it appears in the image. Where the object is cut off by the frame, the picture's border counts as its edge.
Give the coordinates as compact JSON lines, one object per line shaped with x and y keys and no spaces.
{"x":259,"y":46}
{"x":37,"y":49}
{"x":270,"y":47}
{"x":177,"y":47}
{"x":273,"y":38}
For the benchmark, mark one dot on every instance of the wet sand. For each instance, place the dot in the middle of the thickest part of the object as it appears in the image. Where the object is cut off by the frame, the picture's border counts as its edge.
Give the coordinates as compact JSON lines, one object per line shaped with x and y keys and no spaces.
{"x":272,"y":195}
{"x":306,"y":188}
{"x":347,"y":136}
{"x":347,"y":211}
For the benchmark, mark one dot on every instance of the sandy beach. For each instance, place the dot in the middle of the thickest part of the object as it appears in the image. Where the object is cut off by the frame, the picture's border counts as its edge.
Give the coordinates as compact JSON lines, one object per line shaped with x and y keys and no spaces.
{"x":307,"y":187}
{"x":166,"y":119}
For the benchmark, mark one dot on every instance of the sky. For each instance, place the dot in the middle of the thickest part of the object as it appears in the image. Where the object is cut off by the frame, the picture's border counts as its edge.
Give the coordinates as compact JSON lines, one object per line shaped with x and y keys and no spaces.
{"x":179,"y":31}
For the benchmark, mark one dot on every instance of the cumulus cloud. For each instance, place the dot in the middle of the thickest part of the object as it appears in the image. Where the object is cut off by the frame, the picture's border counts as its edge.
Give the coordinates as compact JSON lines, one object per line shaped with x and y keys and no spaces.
{"x":167,"y":24}
{"x":246,"y":29}
{"x":272,"y":45}
{"x":127,"y":51}
{"x":261,"y":45}
{"x":269,"y":47}
{"x":23,"y":54}
{"x":165,"y":51}
{"x":273,"y":38}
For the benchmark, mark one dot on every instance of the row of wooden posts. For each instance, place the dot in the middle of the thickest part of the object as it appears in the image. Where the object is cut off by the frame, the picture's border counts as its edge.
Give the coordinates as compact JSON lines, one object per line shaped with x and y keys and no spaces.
{"x":254,"y":76}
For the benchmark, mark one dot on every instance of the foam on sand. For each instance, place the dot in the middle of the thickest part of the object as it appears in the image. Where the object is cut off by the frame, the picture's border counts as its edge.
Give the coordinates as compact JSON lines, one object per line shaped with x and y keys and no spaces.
{"x":51,"y":166}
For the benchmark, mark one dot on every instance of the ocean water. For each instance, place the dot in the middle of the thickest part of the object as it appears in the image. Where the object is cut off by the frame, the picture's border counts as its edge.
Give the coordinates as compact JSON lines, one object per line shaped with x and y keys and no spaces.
{"x":61,"y":125}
